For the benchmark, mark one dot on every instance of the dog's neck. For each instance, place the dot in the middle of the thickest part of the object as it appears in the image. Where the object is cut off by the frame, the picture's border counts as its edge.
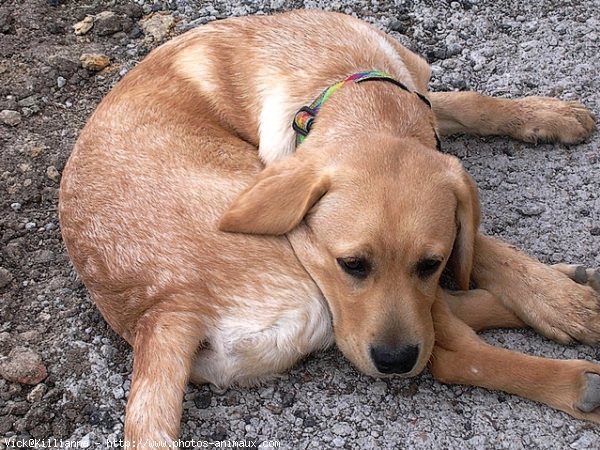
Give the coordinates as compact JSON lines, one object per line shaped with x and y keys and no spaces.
{"x":352,"y":113}
{"x":355,"y":112}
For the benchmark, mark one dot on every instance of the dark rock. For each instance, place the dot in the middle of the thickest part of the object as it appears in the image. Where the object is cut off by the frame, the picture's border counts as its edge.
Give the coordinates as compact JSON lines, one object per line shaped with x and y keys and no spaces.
{"x":310,"y":422}
{"x":7,"y":22}
{"x":288,"y":399}
{"x":64,"y":66}
{"x":41,"y":431}
{"x":107,"y":23}
{"x":531,"y":210}
{"x":132,"y":10}
{"x":6,"y":424}
{"x":202,"y":400}
{"x":400,"y":26}
{"x":56,"y":27}
{"x":135,"y":32}
{"x":19,"y":409}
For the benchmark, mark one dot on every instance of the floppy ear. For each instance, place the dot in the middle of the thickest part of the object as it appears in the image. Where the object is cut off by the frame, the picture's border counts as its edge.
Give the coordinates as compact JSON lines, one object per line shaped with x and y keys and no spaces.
{"x":467,"y":222}
{"x":278,"y":200}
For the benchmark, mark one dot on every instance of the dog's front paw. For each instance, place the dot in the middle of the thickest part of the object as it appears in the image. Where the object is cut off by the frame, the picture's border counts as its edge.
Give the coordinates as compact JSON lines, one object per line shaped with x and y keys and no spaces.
{"x":579,"y":305}
{"x":581,"y":274}
{"x":546,"y":119}
{"x":589,"y":401}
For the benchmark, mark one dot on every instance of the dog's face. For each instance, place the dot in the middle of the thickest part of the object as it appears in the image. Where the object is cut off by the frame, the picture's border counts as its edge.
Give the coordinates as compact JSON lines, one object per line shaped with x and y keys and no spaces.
{"x":374,"y":228}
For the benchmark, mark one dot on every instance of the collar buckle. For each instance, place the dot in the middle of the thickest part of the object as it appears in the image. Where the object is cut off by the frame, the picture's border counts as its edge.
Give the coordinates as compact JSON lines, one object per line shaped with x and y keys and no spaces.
{"x":303,"y":121}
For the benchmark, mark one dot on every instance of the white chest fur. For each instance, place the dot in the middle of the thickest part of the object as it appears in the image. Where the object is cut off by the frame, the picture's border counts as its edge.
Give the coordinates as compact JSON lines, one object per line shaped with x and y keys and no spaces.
{"x":262,"y":335}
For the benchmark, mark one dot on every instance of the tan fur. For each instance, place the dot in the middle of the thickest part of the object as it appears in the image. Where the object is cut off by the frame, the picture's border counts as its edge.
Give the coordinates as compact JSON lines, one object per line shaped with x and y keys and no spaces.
{"x":218,"y":269}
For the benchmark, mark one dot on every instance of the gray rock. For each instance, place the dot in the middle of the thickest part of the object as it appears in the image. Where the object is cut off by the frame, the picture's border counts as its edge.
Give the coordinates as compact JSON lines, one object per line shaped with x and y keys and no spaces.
{"x":5,"y":277}
{"x":28,"y":101}
{"x":341,"y":429}
{"x":44,"y":256}
{"x":53,"y":173}
{"x":86,"y":441}
{"x":118,"y":392}
{"x":6,"y":343}
{"x":116,"y":379}
{"x":37,"y":393}
{"x":157,"y":27}
{"x":531,"y":210}
{"x":10,"y":117}
{"x":24,"y":366}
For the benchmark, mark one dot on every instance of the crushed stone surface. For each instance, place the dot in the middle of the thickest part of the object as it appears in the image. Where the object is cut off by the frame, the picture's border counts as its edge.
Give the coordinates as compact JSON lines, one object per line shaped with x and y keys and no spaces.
{"x":544,"y":198}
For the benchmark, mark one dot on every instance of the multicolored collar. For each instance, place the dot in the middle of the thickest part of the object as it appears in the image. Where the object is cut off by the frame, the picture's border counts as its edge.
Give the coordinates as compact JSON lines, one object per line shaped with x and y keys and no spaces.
{"x":305,"y":117}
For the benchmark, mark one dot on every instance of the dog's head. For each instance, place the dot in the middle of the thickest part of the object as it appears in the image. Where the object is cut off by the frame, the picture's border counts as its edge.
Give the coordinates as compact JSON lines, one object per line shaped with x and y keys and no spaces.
{"x":374,"y":227}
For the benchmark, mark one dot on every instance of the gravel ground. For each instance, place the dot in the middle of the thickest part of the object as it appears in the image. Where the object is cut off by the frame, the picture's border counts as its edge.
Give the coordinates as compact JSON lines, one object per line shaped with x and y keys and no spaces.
{"x":544,"y":198}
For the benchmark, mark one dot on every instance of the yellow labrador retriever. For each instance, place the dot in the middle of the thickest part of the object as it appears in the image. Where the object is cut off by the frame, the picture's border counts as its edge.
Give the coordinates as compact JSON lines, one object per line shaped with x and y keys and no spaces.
{"x":226,"y":230}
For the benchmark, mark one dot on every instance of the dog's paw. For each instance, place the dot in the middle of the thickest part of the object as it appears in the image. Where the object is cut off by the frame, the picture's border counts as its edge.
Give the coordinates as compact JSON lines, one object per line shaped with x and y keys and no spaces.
{"x":590,"y":398}
{"x":581,"y":274}
{"x":546,"y":119}
{"x":586,"y":381}
{"x":578,"y":305}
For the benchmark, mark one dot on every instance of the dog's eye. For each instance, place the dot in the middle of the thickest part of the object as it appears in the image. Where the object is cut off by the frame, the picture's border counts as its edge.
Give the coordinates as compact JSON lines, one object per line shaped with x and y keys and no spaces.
{"x":427,"y":267}
{"x":355,"y":266}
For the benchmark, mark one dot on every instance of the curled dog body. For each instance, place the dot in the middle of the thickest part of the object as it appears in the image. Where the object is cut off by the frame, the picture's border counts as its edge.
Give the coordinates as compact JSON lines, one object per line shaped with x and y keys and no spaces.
{"x":223,"y":253}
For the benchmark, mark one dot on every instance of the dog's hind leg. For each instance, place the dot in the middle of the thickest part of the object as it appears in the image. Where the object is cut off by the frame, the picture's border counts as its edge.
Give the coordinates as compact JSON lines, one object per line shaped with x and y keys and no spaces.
{"x":557,"y":301}
{"x":164,"y":346}
{"x":481,"y":310}
{"x":460,"y":356}
{"x":530,"y":119}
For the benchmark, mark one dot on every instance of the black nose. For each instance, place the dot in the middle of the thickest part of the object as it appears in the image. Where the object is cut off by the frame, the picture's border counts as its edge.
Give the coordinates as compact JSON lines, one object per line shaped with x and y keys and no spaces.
{"x":390,"y":359}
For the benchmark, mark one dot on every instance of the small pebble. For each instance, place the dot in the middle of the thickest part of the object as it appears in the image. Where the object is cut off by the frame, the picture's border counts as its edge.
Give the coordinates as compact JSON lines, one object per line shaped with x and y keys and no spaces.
{"x":53,"y":173}
{"x":10,"y":117}
{"x":29,"y":226}
{"x":118,"y":392}
{"x":60,"y":82}
{"x":5,"y":277}
{"x":16,"y":206}
{"x":85,"y":441}
{"x":24,"y":366}
{"x":531,"y":210}
{"x":37,"y":393}
{"x":94,"y":61}
{"x":116,"y":379}
{"x":28,"y":101}
{"x":83,"y":26}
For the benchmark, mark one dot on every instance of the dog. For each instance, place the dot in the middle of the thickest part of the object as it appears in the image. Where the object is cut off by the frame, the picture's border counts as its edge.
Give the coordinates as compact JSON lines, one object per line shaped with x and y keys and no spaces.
{"x":225,"y":229}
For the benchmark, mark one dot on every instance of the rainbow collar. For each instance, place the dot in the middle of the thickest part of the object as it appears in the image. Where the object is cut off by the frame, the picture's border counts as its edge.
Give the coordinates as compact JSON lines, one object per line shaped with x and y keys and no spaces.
{"x":305,"y":117}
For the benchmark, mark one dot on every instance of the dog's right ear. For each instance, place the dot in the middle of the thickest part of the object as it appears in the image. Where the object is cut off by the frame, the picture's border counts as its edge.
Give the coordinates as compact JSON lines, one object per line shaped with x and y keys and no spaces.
{"x":279,"y":199}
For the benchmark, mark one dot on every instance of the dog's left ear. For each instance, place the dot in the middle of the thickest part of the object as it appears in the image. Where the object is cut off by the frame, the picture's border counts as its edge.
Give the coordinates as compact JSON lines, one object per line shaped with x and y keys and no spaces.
{"x":467,"y":222}
{"x":278,"y":200}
